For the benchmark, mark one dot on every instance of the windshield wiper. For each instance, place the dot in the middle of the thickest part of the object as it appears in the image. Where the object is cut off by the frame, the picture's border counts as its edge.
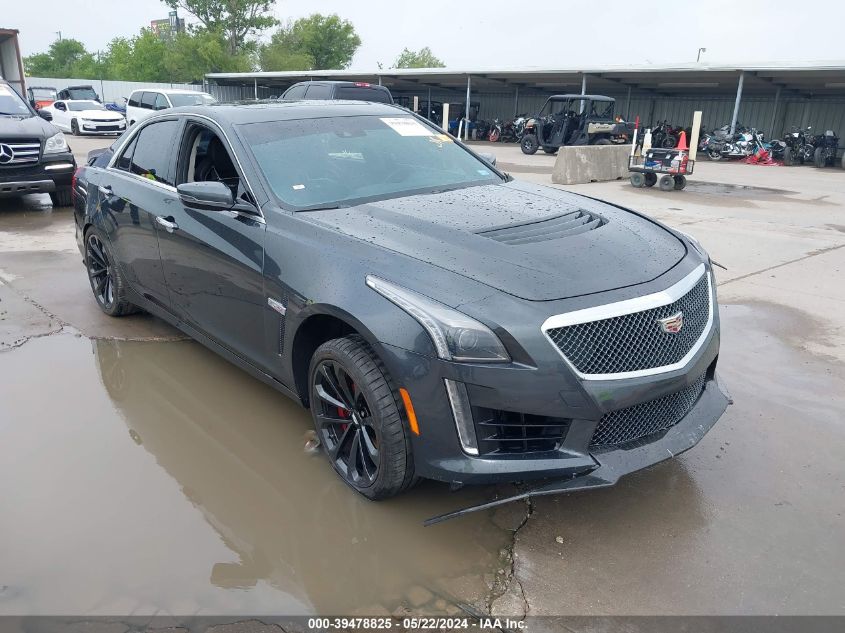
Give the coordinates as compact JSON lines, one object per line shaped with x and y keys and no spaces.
{"x":320,"y":207}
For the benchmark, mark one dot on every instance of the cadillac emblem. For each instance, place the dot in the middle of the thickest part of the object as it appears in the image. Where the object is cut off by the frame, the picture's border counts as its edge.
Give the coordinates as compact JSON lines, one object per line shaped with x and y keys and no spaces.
{"x":672,"y":324}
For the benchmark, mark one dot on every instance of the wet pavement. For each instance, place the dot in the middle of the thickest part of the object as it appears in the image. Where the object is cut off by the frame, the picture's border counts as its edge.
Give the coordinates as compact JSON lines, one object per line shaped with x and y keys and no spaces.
{"x":145,"y":475}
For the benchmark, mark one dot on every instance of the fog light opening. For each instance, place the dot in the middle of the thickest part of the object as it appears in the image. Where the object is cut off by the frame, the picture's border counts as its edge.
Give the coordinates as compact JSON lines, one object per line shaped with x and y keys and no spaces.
{"x":409,"y":411}
{"x":462,"y":412}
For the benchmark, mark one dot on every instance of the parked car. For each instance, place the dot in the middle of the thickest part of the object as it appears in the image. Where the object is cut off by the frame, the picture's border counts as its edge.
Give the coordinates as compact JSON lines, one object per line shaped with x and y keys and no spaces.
{"x":85,"y":117}
{"x":143,"y":103}
{"x":78,"y":93}
{"x":348,"y":90}
{"x":40,"y":96}
{"x":439,"y":319}
{"x":34,"y":155}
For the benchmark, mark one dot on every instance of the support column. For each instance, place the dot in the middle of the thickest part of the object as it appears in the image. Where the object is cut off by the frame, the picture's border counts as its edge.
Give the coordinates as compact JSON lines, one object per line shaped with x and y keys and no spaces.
{"x":379,"y":80}
{"x":771,"y":130}
{"x":428,"y":106}
{"x":466,"y":112}
{"x":583,"y":91}
{"x":255,"y":88}
{"x":516,"y":101}
{"x":737,"y":102}
{"x":628,"y":105}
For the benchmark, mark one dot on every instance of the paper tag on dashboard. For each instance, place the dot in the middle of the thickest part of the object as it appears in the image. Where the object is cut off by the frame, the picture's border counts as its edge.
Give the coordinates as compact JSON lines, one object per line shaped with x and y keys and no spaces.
{"x":406,"y":126}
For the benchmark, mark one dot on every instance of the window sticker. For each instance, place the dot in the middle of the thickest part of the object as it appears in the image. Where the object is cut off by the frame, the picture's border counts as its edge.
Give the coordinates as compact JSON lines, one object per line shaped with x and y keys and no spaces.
{"x":406,"y":126}
{"x":298,"y":187}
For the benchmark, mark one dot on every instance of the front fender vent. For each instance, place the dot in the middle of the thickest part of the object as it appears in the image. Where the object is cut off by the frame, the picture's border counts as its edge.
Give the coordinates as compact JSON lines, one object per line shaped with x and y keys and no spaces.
{"x":553,"y":228}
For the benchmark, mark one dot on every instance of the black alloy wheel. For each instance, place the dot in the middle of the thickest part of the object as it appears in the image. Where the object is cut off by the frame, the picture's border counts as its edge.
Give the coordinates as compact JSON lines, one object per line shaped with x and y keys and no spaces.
{"x":345,"y":423}
{"x":529,"y":144}
{"x":105,"y":277}
{"x":358,"y":419}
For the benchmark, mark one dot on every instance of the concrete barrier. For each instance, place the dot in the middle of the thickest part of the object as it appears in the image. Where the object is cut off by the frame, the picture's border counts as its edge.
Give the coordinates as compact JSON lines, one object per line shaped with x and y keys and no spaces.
{"x":591,"y":163}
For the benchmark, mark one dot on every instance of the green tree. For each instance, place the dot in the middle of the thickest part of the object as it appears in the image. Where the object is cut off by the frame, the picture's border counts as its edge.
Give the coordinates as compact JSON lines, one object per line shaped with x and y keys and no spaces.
{"x":64,"y":58}
{"x":318,"y":42}
{"x":191,"y":55}
{"x":140,"y":58}
{"x":236,"y":19}
{"x":422,"y":58}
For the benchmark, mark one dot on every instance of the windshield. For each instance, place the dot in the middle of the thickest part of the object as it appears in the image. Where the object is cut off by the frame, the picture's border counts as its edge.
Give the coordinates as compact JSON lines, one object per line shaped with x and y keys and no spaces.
{"x":43,"y":93}
{"x":11,"y":102}
{"x":82,"y":93}
{"x":198,"y":98}
{"x":343,"y":160}
{"x":79,"y":106}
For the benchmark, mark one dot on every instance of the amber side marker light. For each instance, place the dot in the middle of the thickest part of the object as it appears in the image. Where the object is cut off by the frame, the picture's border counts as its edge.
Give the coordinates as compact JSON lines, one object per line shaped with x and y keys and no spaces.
{"x":409,"y":409}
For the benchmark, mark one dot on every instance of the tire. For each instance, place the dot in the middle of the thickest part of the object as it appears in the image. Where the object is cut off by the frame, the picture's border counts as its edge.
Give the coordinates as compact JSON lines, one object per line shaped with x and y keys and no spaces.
{"x":74,"y":127}
{"x":843,"y":161}
{"x":638,"y":179}
{"x":62,"y":197}
{"x":714,"y":154}
{"x":788,"y":157}
{"x":601,"y":141}
{"x":680,"y":182}
{"x":669,"y":142}
{"x":549,"y":150}
{"x":818,"y":157}
{"x":650,"y":180}
{"x":347,"y":381}
{"x":107,"y":283}
{"x":666,"y":183}
{"x":529,"y":144}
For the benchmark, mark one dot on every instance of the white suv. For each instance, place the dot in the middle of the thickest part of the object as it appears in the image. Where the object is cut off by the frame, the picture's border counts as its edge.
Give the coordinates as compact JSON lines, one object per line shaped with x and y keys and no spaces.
{"x":142,"y":103}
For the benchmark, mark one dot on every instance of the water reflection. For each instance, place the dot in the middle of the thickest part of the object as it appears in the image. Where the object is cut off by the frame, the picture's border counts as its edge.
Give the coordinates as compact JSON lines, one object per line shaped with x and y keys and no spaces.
{"x":236,"y":449}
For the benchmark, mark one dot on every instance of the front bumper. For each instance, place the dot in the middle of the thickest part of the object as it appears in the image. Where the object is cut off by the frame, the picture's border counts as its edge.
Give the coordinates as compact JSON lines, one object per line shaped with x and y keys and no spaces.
{"x":52,"y":172}
{"x":102,"y":128}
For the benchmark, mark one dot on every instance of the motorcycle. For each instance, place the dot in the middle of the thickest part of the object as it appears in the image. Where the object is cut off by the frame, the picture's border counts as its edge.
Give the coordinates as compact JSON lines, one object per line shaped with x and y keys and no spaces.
{"x":664,"y":135}
{"x":482,"y":130}
{"x":495,"y":133}
{"x":720,"y":144}
{"x":799,"y":147}
{"x":825,"y":147}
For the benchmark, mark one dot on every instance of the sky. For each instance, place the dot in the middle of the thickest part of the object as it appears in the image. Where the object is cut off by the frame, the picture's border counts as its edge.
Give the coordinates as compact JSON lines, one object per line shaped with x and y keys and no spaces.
{"x":471,"y":34}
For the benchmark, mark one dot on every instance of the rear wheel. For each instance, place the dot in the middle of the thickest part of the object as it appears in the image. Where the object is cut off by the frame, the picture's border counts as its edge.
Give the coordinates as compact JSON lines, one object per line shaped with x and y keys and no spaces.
{"x":61,"y":197}
{"x":650,"y":180}
{"x":669,"y":142}
{"x":107,"y":283}
{"x":529,"y":144}
{"x":680,"y":182}
{"x":601,"y":141}
{"x":357,"y":418}
{"x":638,"y":179}
{"x":788,"y":157}
{"x":714,"y":154}
{"x":549,"y":149}
{"x":74,"y":128}
{"x":494,"y":135}
{"x":818,"y":157}
{"x":666,"y":183}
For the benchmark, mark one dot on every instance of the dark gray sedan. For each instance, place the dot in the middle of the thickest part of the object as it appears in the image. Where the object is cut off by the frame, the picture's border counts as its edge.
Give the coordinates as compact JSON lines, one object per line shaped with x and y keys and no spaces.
{"x":439,"y":319}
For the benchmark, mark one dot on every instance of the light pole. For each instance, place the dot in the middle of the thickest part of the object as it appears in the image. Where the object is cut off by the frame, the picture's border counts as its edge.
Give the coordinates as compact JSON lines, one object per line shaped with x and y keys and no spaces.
{"x":59,"y":33}
{"x":700,"y":51}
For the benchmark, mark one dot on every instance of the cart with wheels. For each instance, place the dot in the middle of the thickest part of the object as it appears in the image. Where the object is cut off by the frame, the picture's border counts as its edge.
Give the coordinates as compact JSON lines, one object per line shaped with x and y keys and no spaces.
{"x":666,"y":168}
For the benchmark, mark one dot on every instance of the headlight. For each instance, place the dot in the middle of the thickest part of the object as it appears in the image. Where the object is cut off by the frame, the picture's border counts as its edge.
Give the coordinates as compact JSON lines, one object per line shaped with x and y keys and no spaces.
{"x":55,"y":144}
{"x":456,"y":336}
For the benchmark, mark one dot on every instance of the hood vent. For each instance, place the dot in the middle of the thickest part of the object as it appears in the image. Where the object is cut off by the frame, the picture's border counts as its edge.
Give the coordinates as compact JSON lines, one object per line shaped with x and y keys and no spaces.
{"x":553,"y":228}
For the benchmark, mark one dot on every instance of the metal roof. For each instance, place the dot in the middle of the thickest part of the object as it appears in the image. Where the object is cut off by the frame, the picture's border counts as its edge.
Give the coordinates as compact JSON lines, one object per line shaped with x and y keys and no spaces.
{"x":798,"y":78}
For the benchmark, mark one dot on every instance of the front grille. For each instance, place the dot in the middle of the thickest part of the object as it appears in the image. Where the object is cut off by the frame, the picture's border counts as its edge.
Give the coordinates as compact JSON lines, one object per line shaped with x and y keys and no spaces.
{"x":647,"y":418}
{"x":633,"y":342}
{"x":510,"y":433}
{"x":23,"y":151}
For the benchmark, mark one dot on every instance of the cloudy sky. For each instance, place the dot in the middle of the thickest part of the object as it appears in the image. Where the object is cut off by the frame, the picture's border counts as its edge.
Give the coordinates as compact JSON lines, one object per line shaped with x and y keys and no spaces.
{"x":498,"y":33}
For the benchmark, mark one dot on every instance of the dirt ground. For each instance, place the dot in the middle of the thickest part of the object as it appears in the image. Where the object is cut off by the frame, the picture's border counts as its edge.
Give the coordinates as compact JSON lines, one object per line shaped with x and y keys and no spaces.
{"x":136,"y":480}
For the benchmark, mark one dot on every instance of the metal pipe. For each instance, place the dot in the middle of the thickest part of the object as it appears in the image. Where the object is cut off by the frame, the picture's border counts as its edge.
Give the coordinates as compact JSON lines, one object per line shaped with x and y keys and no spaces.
{"x":583,"y":92}
{"x":466,"y":112}
{"x":774,"y":114}
{"x":737,"y":102}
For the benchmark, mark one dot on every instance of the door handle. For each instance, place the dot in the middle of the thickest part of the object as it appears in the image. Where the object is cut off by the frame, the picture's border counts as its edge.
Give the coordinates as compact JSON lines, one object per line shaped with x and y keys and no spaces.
{"x":168,"y":225}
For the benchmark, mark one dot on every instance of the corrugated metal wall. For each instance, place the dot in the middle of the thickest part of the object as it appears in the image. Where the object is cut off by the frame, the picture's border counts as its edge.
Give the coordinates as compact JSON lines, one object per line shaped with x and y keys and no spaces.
{"x":117,"y":90}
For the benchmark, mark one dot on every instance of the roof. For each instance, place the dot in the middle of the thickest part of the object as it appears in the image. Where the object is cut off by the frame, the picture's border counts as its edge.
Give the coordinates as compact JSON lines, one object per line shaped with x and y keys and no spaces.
{"x":804,"y":78}
{"x":580,"y":96}
{"x":275,"y":110}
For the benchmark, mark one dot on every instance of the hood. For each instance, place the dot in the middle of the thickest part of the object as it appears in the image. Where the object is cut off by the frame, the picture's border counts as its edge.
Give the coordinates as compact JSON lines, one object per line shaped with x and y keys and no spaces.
{"x":530,"y":241}
{"x":99,"y":115}
{"x":13,"y":127}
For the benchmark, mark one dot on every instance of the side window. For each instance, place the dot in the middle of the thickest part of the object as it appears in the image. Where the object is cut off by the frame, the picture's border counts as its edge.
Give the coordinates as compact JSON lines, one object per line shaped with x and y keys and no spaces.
{"x":205,"y":158}
{"x":151,"y":158}
{"x":147,"y":100}
{"x":134,"y":99}
{"x":125,"y":161}
{"x":297,"y":92}
{"x":318,"y":91}
{"x":160,"y":102}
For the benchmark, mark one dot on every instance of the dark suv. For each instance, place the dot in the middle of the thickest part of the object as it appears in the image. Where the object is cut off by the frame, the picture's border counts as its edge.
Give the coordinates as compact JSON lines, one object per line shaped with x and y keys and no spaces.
{"x":78,"y":93}
{"x":348,"y":90}
{"x":34,"y":155}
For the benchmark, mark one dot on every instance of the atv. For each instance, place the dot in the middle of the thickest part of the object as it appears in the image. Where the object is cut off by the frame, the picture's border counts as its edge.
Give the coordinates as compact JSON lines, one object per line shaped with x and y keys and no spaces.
{"x":573,"y":119}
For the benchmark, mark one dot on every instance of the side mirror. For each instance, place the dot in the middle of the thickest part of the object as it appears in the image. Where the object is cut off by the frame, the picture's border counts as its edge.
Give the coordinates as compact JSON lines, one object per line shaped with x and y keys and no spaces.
{"x":490,"y":158}
{"x":214,"y":194}
{"x":44,"y":114}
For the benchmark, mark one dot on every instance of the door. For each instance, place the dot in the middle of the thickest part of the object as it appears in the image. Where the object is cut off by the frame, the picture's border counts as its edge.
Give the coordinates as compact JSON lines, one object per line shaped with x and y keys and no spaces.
{"x":61,"y":117}
{"x":213,"y":259}
{"x":133,"y":106}
{"x":133,"y":194}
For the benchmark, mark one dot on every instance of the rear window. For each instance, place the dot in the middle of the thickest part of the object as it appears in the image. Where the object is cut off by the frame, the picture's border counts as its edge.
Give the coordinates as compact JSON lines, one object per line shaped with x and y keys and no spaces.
{"x":199,"y":98}
{"x":82,"y":93}
{"x":147,"y":100}
{"x":318,"y":91}
{"x":363,"y":93}
{"x":296,"y":92}
{"x":135,"y":99}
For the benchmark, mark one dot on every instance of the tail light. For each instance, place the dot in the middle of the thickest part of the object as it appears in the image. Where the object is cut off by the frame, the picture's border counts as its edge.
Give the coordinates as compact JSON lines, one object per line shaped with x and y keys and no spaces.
{"x":73,"y":182}
{"x":362,"y":84}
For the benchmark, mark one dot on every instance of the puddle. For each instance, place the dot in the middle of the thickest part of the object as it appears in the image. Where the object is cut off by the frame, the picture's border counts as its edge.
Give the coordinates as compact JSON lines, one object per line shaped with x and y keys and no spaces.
{"x":157,"y":478}
{"x":744,"y":191}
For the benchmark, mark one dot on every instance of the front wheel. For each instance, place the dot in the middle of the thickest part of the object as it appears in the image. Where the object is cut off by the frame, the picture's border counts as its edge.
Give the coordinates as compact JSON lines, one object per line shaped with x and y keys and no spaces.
{"x":818,"y":157}
{"x":666,"y":183}
{"x":680,"y":182}
{"x":494,"y":135}
{"x":788,"y":157}
{"x":714,"y":154}
{"x":61,"y":197}
{"x":638,"y":180}
{"x":529,"y":144}
{"x":357,"y":418}
{"x":74,"y":128}
{"x":669,"y":142}
{"x":650,"y":179}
